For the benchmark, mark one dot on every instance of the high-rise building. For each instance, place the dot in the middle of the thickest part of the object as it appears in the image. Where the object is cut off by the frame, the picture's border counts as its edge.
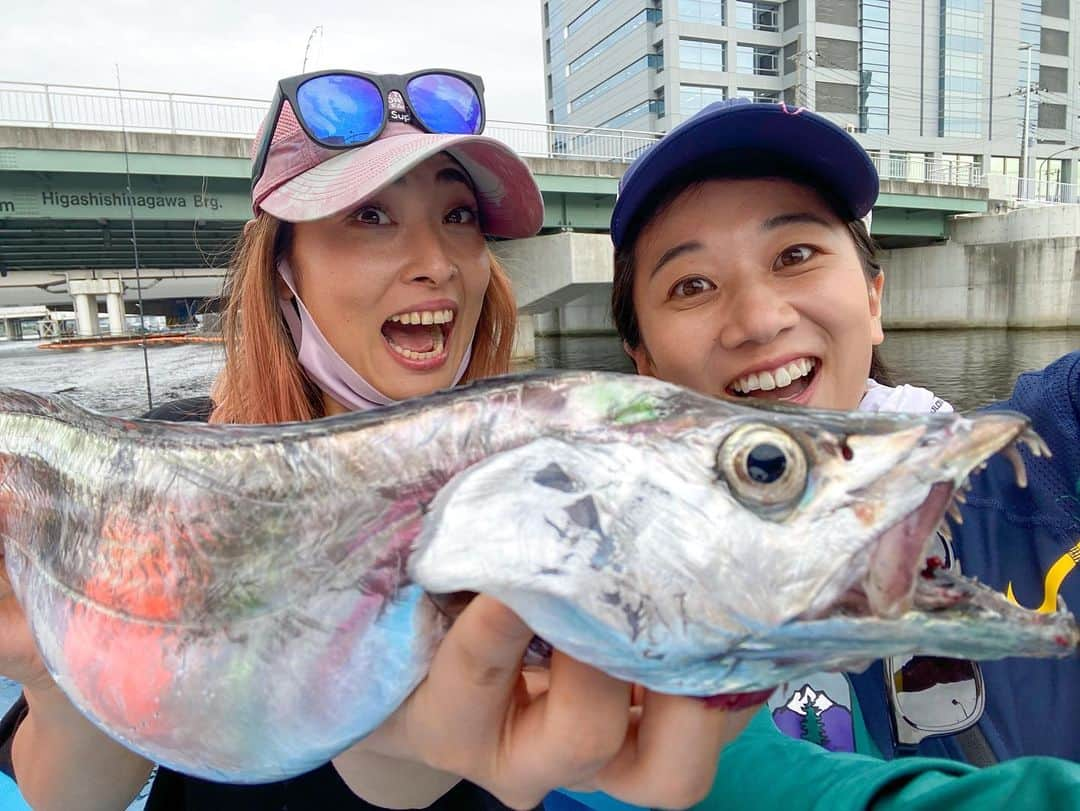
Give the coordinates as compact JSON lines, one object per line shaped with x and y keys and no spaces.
{"x":914,"y":79}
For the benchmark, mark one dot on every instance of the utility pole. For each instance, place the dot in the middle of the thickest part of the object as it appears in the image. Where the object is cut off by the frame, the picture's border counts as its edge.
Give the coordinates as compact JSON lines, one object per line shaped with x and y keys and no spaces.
{"x":803,"y":60}
{"x":1025,"y":149}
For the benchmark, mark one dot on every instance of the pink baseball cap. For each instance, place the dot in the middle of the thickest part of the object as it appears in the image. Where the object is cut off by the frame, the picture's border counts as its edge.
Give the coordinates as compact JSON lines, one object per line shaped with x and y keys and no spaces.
{"x":305,"y":181}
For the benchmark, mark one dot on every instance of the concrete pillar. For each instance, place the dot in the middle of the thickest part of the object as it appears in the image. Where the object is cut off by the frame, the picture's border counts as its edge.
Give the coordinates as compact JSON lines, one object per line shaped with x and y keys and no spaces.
{"x":524,"y":338}
{"x":86,"y":315}
{"x":546,"y":323}
{"x":114,"y":303}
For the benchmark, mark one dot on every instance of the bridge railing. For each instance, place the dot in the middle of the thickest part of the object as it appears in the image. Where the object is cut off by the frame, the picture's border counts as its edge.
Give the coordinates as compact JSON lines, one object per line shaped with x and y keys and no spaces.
{"x":70,"y":106}
{"x":1032,"y":190}
{"x":920,"y":169}
{"x":73,"y":106}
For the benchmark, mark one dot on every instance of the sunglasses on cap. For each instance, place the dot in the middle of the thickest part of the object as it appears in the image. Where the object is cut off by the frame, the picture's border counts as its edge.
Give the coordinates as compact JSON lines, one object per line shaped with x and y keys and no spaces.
{"x":933,"y":695}
{"x":342,"y":109}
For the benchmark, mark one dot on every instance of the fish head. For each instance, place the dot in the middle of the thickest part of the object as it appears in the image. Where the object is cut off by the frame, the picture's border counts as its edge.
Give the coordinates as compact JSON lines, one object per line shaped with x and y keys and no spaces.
{"x":704,"y":546}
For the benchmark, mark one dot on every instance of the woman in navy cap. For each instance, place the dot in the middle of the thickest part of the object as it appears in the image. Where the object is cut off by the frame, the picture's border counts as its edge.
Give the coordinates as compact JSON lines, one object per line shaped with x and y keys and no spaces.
{"x":744,"y":268}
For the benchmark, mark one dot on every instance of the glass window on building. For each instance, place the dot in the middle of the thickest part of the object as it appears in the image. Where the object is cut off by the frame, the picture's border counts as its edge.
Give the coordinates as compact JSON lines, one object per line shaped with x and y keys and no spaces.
{"x":1003,"y":165}
{"x":584,"y":17}
{"x":960,"y":82}
{"x":760,"y":60}
{"x":1051,"y":170}
{"x":874,"y":66}
{"x":697,"y":54}
{"x":624,"y":119}
{"x":631,"y":70}
{"x":557,"y":101}
{"x":759,"y":96}
{"x":693,"y":97}
{"x":757,"y":16}
{"x":614,"y":38}
{"x":702,"y":11}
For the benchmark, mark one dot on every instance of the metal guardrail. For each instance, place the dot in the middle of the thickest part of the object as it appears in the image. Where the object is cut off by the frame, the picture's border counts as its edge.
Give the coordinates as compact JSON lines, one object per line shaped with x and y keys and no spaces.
{"x":79,"y":107}
{"x":1032,"y":190}
{"x":71,"y":106}
{"x":917,"y":169}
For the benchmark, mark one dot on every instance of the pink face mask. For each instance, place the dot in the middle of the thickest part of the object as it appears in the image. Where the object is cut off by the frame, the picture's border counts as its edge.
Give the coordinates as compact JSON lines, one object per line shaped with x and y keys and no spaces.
{"x":324,"y":365}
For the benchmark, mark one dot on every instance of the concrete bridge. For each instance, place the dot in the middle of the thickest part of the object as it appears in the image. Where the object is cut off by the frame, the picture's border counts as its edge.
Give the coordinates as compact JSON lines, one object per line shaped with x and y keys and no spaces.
{"x":70,"y":222}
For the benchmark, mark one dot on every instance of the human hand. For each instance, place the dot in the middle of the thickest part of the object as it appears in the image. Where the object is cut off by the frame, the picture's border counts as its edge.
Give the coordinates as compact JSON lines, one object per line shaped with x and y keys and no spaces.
{"x":19,"y":657}
{"x":478,"y":716}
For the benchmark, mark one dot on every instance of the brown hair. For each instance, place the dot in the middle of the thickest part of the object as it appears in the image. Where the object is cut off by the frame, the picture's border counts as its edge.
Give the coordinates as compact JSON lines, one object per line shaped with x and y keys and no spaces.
{"x":622,"y":289}
{"x":262,"y":380}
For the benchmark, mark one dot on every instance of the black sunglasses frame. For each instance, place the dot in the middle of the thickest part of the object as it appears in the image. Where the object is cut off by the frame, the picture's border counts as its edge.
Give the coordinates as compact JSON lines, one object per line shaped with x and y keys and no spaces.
{"x":386,"y":83}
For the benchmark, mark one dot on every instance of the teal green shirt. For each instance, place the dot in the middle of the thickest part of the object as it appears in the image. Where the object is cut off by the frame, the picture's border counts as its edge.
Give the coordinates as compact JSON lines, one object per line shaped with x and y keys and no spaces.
{"x":765,"y":769}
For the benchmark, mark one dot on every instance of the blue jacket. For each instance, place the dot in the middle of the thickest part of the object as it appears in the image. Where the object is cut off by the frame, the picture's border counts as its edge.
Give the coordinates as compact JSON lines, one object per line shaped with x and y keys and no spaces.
{"x":1029,"y":538}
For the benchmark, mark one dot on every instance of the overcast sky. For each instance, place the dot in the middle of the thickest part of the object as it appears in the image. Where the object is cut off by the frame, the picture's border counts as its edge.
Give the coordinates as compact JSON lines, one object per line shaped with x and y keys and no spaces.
{"x":221,"y":47}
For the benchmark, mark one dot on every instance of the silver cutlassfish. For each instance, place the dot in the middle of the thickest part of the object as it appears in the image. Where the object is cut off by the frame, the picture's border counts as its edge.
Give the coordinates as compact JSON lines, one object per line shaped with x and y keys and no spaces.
{"x":243,"y":603}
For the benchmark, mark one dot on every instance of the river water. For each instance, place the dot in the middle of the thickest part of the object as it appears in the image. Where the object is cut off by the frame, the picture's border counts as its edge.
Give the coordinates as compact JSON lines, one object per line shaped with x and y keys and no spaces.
{"x":969,"y":368}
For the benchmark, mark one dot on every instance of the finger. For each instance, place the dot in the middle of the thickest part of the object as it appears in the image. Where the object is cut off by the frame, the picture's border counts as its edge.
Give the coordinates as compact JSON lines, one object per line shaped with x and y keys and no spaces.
{"x":473,"y":680}
{"x":670,"y":757}
{"x":537,"y":681}
{"x":574,"y":729}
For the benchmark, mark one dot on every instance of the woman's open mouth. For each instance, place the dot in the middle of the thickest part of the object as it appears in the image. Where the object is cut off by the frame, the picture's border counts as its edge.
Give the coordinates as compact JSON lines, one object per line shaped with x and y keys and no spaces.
{"x":785,"y":382}
{"x":419,"y":339}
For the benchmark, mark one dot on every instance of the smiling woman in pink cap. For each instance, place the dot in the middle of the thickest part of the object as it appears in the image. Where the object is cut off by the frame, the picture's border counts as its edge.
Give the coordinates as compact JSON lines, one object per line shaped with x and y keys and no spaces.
{"x":365,"y":278}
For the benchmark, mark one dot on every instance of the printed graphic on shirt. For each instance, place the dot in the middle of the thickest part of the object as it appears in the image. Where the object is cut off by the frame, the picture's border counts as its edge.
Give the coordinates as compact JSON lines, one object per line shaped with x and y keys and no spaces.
{"x":1055,"y":576}
{"x":820,"y":713}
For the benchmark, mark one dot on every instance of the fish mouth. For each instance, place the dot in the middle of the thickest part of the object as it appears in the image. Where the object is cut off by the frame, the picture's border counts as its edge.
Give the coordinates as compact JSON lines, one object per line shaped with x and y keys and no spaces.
{"x":901,"y":573}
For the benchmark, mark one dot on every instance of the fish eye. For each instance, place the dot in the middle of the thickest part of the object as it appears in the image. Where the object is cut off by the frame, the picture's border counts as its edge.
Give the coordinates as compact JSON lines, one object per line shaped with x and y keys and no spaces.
{"x":764,"y":467}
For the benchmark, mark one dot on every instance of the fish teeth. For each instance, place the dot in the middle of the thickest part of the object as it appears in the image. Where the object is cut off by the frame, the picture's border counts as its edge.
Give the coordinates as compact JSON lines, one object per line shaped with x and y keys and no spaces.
{"x":1035,"y":444}
{"x":1013,"y":455}
{"x":954,"y":513}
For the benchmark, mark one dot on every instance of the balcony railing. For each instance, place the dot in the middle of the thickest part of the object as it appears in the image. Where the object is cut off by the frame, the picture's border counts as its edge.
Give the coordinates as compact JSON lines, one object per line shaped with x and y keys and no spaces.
{"x":99,"y":108}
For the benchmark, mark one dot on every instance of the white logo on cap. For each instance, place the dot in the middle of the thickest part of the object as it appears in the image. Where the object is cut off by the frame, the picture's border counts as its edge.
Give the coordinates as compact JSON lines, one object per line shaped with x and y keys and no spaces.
{"x":398,"y":110}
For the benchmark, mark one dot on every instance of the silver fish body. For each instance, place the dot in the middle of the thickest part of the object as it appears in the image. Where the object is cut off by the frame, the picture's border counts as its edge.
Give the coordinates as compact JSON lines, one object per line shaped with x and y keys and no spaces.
{"x":243,"y":603}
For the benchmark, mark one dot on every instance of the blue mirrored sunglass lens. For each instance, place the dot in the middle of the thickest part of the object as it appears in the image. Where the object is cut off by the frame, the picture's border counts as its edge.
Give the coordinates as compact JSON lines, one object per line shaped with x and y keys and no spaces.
{"x":341,"y":110}
{"x":445,"y":103}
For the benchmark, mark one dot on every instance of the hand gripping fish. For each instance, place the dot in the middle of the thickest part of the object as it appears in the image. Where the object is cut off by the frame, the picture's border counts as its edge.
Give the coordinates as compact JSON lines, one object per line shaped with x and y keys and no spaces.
{"x":243,"y":603}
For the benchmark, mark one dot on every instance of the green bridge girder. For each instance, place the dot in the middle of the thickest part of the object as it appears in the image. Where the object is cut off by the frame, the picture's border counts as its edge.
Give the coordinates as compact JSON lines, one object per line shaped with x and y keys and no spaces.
{"x":70,"y":209}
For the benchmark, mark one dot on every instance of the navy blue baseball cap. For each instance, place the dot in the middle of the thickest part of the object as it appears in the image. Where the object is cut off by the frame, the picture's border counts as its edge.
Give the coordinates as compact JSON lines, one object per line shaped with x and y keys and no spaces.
{"x":752,"y":140}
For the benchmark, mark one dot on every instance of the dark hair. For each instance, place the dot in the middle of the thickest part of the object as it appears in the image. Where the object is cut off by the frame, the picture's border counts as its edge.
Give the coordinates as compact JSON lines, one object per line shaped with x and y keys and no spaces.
{"x":622,"y":289}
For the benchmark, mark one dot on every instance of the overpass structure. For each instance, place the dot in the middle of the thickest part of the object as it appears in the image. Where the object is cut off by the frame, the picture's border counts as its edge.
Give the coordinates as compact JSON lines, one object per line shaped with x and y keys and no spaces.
{"x":90,"y":177}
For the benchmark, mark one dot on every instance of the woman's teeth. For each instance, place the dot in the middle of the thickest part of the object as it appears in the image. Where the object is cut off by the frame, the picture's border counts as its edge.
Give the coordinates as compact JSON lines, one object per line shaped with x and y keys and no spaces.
{"x":427,"y":342}
{"x":776,"y":378}
{"x":424,"y":317}
{"x":437,"y":346}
